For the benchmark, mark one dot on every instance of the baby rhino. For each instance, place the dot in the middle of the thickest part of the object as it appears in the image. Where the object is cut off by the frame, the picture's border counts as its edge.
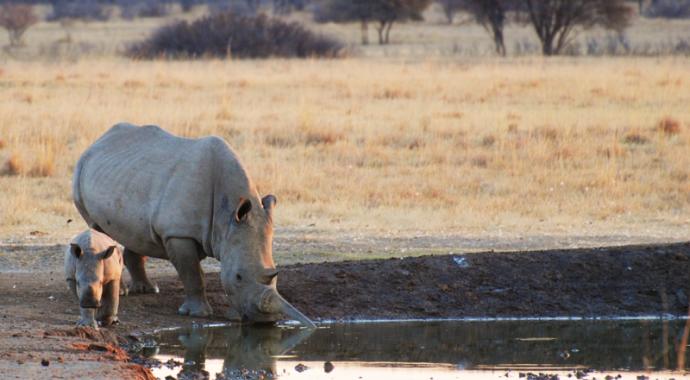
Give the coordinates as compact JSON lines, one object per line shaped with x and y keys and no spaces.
{"x":93,"y":268}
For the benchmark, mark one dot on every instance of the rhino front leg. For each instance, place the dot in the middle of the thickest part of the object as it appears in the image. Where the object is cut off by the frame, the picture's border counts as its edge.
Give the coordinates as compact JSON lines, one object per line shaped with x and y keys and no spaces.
{"x":184,"y":254}
{"x":135,"y":265}
{"x":107,"y":313}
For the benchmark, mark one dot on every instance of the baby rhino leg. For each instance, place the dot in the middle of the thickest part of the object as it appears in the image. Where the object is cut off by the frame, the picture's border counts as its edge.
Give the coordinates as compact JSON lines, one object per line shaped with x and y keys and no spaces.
{"x":107,"y":313}
{"x":87,"y":318}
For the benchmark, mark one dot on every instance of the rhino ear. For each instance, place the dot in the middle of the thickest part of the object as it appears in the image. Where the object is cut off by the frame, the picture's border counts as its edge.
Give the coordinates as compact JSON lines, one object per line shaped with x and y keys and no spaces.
{"x":269,"y":203}
{"x":108,"y":252}
{"x":75,"y":249}
{"x":242,"y":210}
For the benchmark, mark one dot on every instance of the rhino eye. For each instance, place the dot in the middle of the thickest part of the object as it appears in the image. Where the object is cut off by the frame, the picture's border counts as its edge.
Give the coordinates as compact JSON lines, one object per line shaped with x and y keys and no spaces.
{"x":239,"y":277}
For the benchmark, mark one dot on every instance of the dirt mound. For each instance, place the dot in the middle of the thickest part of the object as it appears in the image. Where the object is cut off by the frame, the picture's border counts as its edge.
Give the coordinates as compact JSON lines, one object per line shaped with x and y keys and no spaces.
{"x":100,"y":335}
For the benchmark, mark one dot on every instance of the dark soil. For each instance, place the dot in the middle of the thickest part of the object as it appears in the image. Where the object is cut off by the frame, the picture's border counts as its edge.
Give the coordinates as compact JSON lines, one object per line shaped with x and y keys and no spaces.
{"x":630,"y":281}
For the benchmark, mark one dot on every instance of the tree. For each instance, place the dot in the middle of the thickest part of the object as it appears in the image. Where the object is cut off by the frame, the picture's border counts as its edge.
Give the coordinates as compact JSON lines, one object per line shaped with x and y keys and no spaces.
{"x":451,"y":7}
{"x":16,"y":19}
{"x":345,"y":11}
{"x":386,"y":12}
{"x":491,"y":14}
{"x":555,"y":21}
{"x":383,"y":12}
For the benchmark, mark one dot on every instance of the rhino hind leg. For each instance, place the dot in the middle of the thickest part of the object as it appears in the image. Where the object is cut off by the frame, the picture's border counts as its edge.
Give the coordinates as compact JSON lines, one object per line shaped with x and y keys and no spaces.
{"x":107,"y":313}
{"x":184,"y":254}
{"x":135,"y":264}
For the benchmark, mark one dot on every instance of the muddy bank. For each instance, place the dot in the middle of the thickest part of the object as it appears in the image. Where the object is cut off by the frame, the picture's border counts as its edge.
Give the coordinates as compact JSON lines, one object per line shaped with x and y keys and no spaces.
{"x":37,"y":314}
{"x":631,"y":281}
{"x":38,"y":351}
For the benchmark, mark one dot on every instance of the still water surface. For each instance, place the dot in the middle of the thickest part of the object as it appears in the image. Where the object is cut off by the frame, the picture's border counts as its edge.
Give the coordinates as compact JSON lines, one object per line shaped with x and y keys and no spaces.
{"x":424,"y":350}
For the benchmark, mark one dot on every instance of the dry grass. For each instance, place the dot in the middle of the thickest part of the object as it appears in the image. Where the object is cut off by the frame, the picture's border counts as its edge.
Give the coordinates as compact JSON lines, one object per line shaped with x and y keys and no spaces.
{"x":526,"y":145}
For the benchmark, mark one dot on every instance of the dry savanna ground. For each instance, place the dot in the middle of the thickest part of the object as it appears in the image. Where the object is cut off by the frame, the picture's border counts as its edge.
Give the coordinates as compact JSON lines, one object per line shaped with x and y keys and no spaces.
{"x":525,"y":146}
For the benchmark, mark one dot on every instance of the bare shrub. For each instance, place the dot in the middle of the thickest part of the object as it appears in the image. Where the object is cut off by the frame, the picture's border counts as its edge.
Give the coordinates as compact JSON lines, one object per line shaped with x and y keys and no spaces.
{"x":228,"y":34}
{"x":488,"y":141}
{"x":16,"y":19}
{"x":548,"y":133}
{"x":44,"y":159}
{"x":479,"y":161}
{"x":13,"y":166}
{"x":635,"y":138}
{"x":317,"y":137}
{"x":42,"y":169}
{"x":668,"y":126}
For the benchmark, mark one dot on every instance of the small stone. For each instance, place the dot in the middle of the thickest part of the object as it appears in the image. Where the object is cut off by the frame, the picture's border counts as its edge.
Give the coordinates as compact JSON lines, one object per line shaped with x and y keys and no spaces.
{"x":328,"y":367}
{"x":45,"y":362}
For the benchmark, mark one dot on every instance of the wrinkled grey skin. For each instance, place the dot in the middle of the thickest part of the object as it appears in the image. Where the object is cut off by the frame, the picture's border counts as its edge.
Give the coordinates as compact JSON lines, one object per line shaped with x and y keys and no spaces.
{"x":182,"y":200}
{"x":93,"y":269}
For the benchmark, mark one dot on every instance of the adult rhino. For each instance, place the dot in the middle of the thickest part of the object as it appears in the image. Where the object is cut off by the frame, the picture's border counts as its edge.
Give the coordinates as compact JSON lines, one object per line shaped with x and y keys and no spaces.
{"x":182,"y":200}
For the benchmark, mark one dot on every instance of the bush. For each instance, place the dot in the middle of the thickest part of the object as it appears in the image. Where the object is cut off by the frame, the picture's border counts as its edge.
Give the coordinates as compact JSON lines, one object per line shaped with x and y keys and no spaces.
{"x":226,"y":34}
{"x":669,"y":9}
{"x":16,"y":19}
{"x":87,"y":10}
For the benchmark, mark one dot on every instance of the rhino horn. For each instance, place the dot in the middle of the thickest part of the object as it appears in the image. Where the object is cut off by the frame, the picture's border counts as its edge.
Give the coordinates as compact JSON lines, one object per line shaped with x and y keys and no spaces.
{"x":278,"y":304}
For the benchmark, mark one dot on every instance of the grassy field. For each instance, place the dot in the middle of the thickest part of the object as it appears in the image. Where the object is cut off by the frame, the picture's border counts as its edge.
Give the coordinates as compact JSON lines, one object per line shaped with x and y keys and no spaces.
{"x":429,"y":135}
{"x":527,"y":145}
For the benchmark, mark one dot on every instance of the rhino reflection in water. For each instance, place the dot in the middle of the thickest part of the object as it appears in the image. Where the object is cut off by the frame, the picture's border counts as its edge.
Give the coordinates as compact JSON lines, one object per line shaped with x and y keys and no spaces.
{"x":247,"y":350}
{"x":183,"y":200}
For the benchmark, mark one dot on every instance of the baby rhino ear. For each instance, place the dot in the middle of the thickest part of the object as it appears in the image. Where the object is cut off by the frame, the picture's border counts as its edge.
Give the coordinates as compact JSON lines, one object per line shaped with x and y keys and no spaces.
{"x":108,"y":252}
{"x":75,"y":249}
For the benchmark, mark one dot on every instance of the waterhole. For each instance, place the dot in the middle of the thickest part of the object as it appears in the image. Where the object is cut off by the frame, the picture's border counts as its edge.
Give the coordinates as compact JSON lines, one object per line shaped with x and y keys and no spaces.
{"x":585,"y":349}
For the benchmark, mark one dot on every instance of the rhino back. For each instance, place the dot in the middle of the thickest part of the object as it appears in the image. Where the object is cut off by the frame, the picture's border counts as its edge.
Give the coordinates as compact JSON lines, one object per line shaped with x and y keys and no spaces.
{"x":142,"y":185}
